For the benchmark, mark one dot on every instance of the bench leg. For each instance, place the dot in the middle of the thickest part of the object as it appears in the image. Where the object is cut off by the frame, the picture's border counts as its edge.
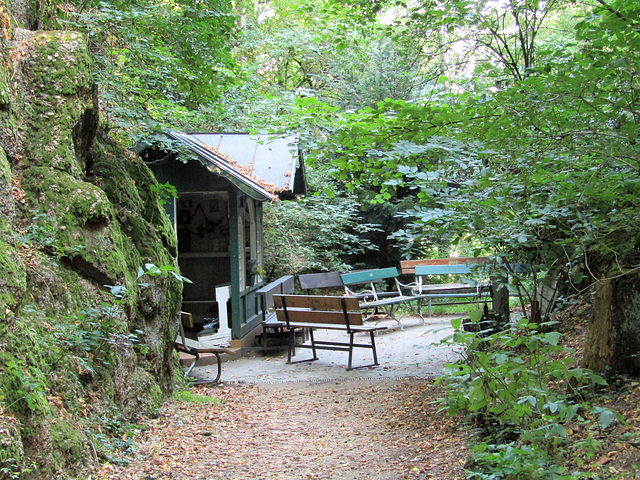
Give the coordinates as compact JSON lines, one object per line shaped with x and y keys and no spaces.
{"x":372,"y":346}
{"x":419,"y":311}
{"x":292,"y":346}
{"x":313,"y":344}
{"x":292,"y":343}
{"x":219,"y":362}
{"x":196,"y":357}
{"x":349,"y":367}
{"x":195,"y":361}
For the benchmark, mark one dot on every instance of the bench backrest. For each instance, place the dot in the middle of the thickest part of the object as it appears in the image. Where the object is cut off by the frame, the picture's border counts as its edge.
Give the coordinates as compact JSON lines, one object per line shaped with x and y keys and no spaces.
{"x":309,"y":281}
{"x":283,"y":285}
{"x":318,"y":309}
{"x":444,"y":269}
{"x":365,"y":276}
{"x":409,"y":266}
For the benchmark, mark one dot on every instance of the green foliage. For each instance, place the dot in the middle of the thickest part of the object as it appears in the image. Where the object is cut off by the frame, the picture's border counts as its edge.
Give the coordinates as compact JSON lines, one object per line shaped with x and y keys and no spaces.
{"x":41,"y":233}
{"x":525,"y":391}
{"x":24,"y":384}
{"x":542,"y":170}
{"x":312,"y":235}
{"x":159,"y":61}
{"x":116,"y":439}
{"x":164,"y":192}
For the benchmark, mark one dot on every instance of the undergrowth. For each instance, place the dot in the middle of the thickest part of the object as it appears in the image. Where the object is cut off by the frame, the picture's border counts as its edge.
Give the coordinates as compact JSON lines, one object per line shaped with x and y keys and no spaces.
{"x":524,"y":394}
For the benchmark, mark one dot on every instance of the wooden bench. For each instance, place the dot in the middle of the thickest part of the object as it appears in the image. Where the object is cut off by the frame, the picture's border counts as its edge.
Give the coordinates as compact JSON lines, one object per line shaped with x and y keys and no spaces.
{"x":373,"y":299}
{"x":196,"y":348}
{"x":454,"y":293}
{"x":270,"y":322}
{"x":309,"y":312}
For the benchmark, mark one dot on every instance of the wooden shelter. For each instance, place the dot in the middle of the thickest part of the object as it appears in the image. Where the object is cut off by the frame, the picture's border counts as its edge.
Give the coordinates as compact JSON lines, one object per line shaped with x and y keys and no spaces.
{"x":217,"y":217}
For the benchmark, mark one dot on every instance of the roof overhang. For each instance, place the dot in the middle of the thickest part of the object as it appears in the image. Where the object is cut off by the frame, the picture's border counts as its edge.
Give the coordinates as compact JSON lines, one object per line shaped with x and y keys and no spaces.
{"x":215,"y":163}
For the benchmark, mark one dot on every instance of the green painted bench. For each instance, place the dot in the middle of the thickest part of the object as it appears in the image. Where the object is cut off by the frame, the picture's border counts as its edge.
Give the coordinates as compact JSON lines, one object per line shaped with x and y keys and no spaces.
{"x":467,"y":291}
{"x":312,"y":312}
{"x":373,"y":300}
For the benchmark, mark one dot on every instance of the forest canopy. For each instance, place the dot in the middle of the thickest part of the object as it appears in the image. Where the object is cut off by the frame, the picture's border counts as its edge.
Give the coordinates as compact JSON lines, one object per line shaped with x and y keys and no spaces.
{"x":506,"y":127}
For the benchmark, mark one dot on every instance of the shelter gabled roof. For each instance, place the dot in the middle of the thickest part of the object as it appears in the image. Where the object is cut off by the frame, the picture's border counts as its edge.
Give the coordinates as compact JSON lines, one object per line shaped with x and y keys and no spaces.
{"x":261,"y":165}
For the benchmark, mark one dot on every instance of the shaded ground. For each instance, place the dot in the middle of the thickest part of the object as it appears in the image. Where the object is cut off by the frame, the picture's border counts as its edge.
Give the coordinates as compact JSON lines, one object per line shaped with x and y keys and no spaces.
{"x":281,"y":426}
{"x":357,"y":430}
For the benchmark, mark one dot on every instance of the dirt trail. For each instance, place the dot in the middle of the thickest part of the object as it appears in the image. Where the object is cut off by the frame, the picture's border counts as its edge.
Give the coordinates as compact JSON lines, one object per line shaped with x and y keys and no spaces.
{"x":356,"y":430}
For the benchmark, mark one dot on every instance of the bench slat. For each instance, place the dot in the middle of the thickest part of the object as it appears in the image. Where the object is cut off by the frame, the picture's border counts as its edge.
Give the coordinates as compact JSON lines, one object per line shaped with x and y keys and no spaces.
{"x":409,"y":266}
{"x":303,"y":315}
{"x":444,"y":269}
{"x":317,"y":302}
{"x":309,"y":281}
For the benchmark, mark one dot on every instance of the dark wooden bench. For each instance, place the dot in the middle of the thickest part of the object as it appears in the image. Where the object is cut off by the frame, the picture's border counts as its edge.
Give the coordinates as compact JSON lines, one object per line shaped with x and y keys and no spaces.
{"x":320,"y":281}
{"x":309,"y":312}
{"x":270,"y":322}
{"x":196,"y":348}
{"x":372,"y":299}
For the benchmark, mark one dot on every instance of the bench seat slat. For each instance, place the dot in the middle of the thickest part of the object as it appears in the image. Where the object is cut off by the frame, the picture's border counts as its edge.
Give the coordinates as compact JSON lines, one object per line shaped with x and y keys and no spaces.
{"x":329,"y":326}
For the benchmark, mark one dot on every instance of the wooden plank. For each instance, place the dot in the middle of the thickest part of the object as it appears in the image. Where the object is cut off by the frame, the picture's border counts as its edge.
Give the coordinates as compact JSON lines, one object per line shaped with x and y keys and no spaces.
{"x":317,"y":302}
{"x":444,"y":269}
{"x":307,"y":316}
{"x":455,"y":288}
{"x":309,"y":281}
{"x":283,"y":285}
{"x":408,"y":266}
{"x":369,"y":275}
{"x":187,"y":319}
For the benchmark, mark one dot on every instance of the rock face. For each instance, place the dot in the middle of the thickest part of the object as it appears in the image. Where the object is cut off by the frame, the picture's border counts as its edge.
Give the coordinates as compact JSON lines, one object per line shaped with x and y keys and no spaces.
{"x":77,"y":215}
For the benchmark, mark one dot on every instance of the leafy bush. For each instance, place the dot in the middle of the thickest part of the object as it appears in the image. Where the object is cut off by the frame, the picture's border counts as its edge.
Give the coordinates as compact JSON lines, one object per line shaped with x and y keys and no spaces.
{"x":313,"y":235}
{"x":524,"y":391}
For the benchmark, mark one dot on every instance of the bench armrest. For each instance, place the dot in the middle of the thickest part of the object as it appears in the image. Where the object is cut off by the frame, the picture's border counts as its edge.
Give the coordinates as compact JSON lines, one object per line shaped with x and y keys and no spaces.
{"x":414,"y":288}
{"x":369,"y":292}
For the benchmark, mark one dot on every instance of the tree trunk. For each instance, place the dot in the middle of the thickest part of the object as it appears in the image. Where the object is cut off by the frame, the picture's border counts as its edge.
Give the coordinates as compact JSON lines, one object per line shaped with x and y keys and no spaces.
{"x":613,"y":334}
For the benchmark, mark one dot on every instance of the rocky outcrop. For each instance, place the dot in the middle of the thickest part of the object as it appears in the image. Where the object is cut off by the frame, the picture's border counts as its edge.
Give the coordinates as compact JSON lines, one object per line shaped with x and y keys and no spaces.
{"x":82,"y":343}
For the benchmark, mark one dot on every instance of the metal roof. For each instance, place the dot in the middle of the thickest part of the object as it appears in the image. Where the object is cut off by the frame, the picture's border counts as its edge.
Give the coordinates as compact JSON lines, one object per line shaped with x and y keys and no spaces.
{"x":239,"y":169}
{"x":274,"y":159}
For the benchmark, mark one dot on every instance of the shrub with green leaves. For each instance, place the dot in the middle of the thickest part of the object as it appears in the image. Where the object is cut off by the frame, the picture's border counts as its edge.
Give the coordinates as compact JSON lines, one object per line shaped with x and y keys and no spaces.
{"x":524,"y":390}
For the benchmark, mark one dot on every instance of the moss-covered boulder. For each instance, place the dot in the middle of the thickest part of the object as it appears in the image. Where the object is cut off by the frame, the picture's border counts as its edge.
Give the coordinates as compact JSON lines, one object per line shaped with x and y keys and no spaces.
{"x":82,"y":344}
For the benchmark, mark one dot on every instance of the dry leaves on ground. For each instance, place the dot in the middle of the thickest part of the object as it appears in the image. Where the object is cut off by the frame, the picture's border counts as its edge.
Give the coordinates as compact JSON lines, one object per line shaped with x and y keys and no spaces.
{"x":358,"y":430}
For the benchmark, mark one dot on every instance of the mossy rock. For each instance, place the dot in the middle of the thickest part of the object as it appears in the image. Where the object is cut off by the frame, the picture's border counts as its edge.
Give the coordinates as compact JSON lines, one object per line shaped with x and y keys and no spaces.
{"x":5,"y":83}
{"x":13,"y":277}
{"x":11,"y":449}
{"x":86,"y":217}
{"x":69,"y":446}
